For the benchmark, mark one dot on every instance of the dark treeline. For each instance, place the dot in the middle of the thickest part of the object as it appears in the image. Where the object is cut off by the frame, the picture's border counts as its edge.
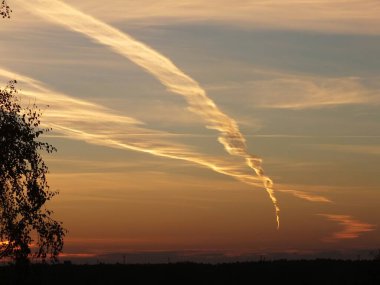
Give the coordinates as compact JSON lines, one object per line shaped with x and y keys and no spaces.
{"x":267,"y":272}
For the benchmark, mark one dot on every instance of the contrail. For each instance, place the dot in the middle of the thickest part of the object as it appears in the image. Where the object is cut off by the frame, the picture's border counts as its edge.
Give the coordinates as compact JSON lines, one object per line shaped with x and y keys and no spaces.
{"x":306,"y":196}
{"x":164,"y":70}
{"x":69,"y":116}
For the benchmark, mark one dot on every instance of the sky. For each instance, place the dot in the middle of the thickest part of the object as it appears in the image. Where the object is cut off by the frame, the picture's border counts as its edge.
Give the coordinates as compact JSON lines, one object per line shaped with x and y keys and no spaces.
{"x":205,"y":130}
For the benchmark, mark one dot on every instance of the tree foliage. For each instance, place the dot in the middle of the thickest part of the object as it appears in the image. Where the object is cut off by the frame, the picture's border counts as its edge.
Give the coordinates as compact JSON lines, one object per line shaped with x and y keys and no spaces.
{"x":5,"y":10}
{"x":26,"y":226}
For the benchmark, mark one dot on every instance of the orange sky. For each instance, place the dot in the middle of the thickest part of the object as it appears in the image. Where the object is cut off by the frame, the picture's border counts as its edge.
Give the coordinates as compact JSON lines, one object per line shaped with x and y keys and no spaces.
{"x":157,"y":108}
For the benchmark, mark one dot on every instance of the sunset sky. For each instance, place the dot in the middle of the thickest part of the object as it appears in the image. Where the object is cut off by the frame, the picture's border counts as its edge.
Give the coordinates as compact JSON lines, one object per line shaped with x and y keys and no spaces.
{"x":173,"y":118}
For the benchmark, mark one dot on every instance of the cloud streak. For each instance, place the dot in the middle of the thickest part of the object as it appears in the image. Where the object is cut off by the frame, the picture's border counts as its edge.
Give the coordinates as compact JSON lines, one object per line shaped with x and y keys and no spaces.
{"x":310,"y":193}
{"x":164,"y":70}
{"x":280,"y":90}
{"x":351,"y":228}
{"x":307,"y":196}
{"x":82,"y":120}
{"x":331,"y":16}
{"x":307,"y":93}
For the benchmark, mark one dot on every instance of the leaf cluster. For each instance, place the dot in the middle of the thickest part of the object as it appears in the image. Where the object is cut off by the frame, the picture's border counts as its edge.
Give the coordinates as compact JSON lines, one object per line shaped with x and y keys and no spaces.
{"x":5,"y":10}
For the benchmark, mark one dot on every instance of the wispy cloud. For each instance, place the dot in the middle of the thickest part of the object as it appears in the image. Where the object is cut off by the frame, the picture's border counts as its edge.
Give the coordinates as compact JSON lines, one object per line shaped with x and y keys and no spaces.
{"x":70,"y":117}
{"x":82,"y":120}
{"x":304,"y":93}
{"x":351,"y":228}
{"x":280,"y":90}
{"x":306,"y":196}
{"x":311,"y":193}
{"x":66,"y":109}
{"x":163,"y":70}
{"x":331,"y":16}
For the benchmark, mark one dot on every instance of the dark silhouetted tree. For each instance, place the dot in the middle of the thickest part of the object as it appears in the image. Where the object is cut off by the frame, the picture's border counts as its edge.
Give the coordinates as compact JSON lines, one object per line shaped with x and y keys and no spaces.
{"x":26,"y":226}
{"x":5,"y":10}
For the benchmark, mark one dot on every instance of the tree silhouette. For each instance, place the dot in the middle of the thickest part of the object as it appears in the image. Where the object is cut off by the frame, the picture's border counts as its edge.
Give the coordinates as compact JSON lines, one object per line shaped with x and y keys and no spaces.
{"x":5,"y":10}
{"x":26,"y":226}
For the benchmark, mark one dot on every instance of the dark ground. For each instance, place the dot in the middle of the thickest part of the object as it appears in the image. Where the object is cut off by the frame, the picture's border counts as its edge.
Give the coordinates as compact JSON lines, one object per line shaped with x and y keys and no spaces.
{"x":269,"y":272}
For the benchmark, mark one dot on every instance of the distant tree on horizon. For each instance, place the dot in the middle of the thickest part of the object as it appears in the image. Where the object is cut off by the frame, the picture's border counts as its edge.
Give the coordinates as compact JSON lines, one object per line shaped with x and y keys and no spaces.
{"x":26,"y":226}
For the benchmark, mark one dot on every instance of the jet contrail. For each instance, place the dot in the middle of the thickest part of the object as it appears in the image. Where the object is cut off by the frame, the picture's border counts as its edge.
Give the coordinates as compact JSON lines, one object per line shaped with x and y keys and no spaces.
{"x":306,"y":196}
{"x":164,"y":70}
{"x":69,"y":116}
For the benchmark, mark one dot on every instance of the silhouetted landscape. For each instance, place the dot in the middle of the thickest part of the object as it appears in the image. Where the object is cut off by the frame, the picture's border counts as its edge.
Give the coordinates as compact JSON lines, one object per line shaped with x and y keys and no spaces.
{"x":319,"y":271}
